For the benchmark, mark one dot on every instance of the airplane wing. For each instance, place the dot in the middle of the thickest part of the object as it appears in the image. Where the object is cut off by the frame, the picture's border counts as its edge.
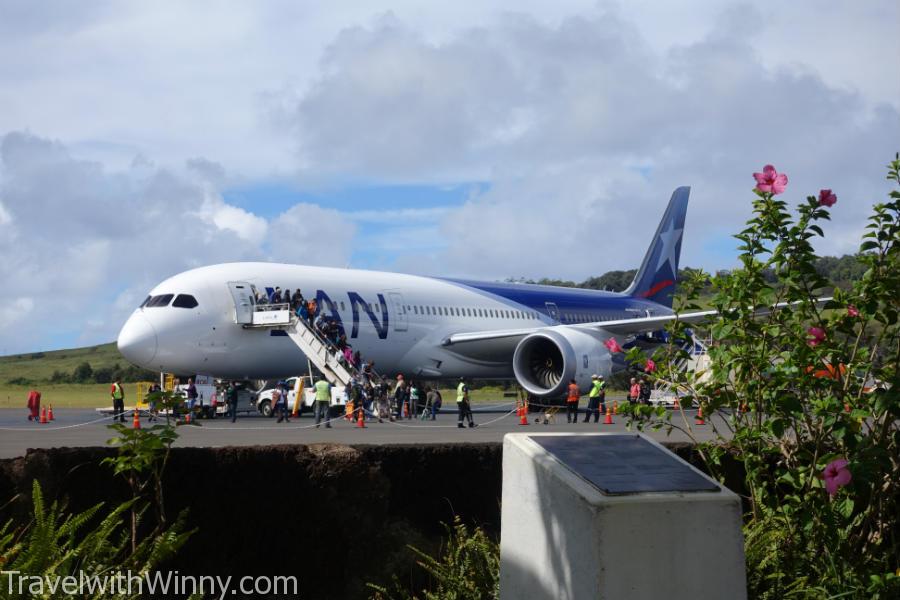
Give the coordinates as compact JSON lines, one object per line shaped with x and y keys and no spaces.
{"x":617,"y":327}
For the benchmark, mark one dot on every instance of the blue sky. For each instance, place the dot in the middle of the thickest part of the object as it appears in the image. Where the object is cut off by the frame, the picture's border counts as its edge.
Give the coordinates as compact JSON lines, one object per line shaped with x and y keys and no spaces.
{"x":476,"y":140}
{"x":383,"y":215}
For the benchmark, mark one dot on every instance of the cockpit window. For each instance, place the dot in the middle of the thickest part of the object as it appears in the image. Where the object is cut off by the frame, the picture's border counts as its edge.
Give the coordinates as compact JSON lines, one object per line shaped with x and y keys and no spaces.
{"x":161,"y":300}
{"x":185,"y":301}
{"x":144,"y":303}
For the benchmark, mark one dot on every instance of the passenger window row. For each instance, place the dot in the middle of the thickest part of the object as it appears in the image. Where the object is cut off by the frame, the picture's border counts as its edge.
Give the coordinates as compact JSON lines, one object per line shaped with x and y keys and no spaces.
{"x":486,"y":313}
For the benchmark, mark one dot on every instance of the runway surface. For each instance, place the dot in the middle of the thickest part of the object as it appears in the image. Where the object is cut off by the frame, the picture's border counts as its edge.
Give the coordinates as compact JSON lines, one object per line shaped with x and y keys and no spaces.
{"x":85,"y":427}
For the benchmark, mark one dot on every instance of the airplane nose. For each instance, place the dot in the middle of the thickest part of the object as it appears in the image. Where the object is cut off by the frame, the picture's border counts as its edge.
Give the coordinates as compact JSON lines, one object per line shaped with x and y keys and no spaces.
{"x":137,"y":340}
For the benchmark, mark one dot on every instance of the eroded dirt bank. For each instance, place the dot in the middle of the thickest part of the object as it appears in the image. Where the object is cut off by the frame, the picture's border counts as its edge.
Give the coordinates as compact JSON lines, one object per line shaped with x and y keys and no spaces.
{"x":336,"y":516}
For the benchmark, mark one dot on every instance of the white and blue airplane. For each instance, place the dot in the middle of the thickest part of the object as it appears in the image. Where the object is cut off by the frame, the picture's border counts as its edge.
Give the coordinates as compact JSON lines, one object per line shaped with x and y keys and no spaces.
{"x":425,"y":327}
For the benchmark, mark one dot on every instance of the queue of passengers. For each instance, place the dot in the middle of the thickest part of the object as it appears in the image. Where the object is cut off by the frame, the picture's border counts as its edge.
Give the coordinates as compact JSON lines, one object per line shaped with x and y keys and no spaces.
{"x":406,"y":400}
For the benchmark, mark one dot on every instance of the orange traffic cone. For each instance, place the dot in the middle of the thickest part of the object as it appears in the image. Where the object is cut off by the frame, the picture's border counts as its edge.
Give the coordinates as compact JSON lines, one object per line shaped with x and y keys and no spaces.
{"x":44,"y":416}
{"x":187,"y":418}
{"x":405,"y":410}
{"x":699,"y":418}
{"x":608,"y":420}
{"x":523,"y":419}
{"x":50,"y":413}
{"x":361,"y":420}
{"x":136,"y":422}
{"x":615,"y":407}
{"x":677,"y":405}
{"x":348,"y":411}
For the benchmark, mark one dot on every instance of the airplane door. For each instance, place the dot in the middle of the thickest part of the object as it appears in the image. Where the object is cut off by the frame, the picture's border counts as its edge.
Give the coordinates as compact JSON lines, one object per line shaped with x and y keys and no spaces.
{"x":552,"y":310}
{"x":243,"y":301}
{"x":399,"y":311}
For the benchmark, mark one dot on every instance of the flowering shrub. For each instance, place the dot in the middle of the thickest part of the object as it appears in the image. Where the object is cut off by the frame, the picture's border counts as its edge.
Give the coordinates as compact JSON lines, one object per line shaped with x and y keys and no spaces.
{"x":806,"y":397}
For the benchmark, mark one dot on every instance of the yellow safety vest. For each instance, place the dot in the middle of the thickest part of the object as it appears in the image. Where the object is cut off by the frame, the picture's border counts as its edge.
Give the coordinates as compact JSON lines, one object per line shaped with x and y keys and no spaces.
{"x":323,"y":391}
{"x":597,"y":389}
{"x":461,"y":391}
{"x":117,"y":392}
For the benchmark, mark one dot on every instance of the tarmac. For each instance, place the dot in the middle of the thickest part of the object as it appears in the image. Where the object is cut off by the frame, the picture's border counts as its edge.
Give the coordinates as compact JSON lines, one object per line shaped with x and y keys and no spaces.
{"x":86,"y":427}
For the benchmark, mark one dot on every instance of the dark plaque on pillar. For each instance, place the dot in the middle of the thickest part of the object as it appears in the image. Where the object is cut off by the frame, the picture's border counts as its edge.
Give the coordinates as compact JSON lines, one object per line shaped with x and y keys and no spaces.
{"x":624,"y":464}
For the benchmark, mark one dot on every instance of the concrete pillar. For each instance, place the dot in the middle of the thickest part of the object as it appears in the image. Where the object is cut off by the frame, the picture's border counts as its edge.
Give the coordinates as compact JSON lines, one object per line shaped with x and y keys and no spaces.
{"x":644,"y":537}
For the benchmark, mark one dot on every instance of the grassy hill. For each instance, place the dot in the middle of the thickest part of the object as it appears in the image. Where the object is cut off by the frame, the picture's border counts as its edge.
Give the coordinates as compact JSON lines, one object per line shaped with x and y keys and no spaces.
{"x":63,"y":379}
{"x":59,"y":366}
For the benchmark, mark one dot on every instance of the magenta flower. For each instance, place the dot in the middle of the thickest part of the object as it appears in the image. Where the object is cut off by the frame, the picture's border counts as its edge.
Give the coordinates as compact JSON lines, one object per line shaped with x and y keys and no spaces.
{"x":650,"y":366}
{"x":836,"y":476}
{"x":827,"y":198}
{"x":613,"y":345}
{"x":817,"y":336}
{"x":770,"y":180}
{"x":852,"y":311}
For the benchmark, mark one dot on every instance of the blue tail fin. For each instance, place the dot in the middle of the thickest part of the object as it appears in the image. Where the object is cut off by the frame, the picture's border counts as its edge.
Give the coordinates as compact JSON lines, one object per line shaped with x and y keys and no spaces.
{"x":656,"y":278}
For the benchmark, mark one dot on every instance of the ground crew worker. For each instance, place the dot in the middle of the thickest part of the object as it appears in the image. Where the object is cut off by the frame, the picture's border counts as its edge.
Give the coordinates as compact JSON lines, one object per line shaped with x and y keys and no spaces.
{"x":596,"y":397}
{"x":117,"y":393}
{"x":34,"y":406}
{"x":462,"y":404}
{"x":323,"y":402}
{"x":231,"y":398}
{"x":572,"y":403}
{"x":634,"y":392}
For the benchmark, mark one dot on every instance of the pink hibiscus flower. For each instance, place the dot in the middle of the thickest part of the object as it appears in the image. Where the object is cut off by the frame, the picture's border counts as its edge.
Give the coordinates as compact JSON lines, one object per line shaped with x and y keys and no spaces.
{"x":650,"y":366}
{"x":836,"y":475}
{"x":770,"y":180}
{"x":827,"y":198}
{"x":613,"y":345}
{"x":852,"y":311}
{"x":817,"y":336}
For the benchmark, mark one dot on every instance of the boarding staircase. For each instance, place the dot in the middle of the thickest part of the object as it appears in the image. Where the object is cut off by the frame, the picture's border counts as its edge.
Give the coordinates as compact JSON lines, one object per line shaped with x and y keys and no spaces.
{"x":321,"y":353}
{"x":696,"y":362}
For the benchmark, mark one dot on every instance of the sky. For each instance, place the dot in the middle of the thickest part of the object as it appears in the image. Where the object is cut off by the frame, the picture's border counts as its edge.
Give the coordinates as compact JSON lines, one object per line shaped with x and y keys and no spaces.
{"x":473,"y":139}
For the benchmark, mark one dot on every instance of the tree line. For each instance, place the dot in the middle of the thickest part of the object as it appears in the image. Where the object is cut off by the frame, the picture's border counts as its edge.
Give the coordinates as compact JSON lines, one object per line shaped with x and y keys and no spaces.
{"x":841,"y":272}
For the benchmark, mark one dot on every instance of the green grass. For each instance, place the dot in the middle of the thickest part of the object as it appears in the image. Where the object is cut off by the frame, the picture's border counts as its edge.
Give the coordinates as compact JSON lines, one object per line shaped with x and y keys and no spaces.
{"x":94,"y":395}
{"x":39,"y":366}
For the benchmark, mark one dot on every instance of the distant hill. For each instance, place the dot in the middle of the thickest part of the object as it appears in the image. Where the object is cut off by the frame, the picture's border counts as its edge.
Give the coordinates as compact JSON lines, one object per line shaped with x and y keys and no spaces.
{"x":93,"y":364}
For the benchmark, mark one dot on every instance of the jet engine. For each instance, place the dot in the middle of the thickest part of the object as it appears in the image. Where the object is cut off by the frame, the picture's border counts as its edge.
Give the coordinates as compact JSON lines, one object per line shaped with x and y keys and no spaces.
{"x":546,"y":360}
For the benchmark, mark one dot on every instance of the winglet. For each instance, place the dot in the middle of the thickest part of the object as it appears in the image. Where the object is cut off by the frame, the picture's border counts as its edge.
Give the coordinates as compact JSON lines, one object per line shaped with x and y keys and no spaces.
{"x":656,"y":278}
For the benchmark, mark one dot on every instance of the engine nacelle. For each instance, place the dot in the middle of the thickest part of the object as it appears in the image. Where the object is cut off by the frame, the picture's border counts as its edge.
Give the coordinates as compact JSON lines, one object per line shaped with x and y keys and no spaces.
{"x":546,"y":360}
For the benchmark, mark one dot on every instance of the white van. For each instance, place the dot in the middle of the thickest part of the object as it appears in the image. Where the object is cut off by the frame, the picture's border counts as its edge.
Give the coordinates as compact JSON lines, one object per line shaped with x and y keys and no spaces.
{"x":264,"y":395}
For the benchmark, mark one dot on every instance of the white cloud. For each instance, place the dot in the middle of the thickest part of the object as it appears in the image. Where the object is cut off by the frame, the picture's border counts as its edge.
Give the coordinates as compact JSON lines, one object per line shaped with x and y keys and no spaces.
{"x":310,"y":234}
{"x":15,"y":310}
{"x":583,"y":129}
{"x":399,"y":216}
{"x":246,"y":225}
{"x":88,"y":242}
{"x":5,"y":217}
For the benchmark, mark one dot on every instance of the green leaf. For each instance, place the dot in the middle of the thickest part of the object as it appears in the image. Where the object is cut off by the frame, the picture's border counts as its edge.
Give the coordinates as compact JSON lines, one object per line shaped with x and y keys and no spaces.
{"x":866,"y":246}
{"x":845,"y":507}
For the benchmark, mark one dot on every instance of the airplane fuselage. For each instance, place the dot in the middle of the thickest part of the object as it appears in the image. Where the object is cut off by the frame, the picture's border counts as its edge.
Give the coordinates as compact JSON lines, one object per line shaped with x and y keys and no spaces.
{"x":400,"y":321}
